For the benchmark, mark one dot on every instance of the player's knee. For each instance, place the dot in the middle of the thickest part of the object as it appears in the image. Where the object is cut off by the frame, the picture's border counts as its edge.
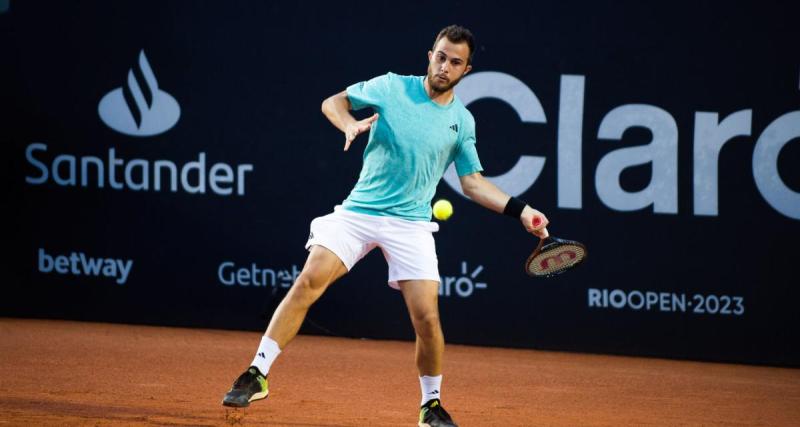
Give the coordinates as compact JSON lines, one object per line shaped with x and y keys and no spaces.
{"x":307,"y":288}
{"x":427,"y":324}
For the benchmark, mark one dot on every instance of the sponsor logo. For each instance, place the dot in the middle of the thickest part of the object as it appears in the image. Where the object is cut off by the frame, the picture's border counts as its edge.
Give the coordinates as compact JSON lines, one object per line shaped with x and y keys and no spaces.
{"x":464,"y":285}
{"x":79,"y":264}
{"x":711,"y":133}
{"x":139,"y":108}
{"x":229,"y":274}
{"x":194,"y":177}
{"x":454,"y":128}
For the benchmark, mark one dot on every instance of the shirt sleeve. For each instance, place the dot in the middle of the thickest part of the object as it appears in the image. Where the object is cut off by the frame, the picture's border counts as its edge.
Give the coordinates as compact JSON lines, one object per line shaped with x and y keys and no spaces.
{"x":467,"y":161}
{"x":370,"y":93}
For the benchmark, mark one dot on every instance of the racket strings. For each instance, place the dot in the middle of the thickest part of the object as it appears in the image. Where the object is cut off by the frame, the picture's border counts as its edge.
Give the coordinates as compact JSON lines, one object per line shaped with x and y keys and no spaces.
{"x":556,"y":259}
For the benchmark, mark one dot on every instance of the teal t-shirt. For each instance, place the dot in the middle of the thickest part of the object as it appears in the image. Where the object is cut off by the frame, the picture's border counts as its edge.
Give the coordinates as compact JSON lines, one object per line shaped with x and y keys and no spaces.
{"x":410,"y":146}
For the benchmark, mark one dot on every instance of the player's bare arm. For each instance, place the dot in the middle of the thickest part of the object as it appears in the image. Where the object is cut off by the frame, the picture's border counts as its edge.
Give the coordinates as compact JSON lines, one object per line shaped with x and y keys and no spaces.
{"x":337,"y":109}
{"x":486,"y":194}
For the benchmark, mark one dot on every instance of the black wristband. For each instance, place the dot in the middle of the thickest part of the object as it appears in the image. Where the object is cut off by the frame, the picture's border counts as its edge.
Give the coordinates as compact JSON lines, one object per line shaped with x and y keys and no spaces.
{"x":514,"y":207}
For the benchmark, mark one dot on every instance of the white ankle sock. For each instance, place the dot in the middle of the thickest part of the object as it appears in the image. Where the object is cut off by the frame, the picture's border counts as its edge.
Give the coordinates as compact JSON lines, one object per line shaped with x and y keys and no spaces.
{"x":268,"y":350}
{"x":431,"y":388}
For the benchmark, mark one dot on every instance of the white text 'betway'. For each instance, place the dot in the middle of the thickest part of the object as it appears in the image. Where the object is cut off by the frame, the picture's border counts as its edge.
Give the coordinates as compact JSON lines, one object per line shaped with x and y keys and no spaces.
{"x":79,"y":264}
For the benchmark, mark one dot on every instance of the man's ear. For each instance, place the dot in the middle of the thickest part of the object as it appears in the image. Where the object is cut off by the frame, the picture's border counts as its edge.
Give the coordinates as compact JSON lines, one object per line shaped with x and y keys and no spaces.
{"x":430,"y":55}
{"x":468,"y":69}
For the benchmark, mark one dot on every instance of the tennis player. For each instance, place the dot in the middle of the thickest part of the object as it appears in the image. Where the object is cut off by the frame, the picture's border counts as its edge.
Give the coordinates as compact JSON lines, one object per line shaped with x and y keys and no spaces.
{"x":419,"y":127}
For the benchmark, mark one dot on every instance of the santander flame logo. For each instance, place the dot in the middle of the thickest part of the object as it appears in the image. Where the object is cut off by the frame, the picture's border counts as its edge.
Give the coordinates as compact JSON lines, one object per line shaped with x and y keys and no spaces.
{"x":139,"y":108}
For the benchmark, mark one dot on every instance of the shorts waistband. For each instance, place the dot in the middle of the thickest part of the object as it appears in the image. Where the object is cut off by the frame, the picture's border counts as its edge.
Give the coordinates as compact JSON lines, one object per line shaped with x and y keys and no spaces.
{"x":379,"y":219}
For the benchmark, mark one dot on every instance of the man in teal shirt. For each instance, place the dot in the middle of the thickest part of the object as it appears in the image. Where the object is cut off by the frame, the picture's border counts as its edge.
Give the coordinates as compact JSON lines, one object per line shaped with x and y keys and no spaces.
{"x":410,"y":146}
{"x":418,"y":129}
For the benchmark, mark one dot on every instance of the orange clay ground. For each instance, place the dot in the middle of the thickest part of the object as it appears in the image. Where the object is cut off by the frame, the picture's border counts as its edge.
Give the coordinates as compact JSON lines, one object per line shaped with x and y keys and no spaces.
{"x":72,"y":373}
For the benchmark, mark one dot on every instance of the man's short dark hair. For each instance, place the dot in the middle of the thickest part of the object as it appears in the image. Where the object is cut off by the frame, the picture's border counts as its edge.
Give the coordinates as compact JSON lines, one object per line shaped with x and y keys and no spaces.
{"x":457,"y":34}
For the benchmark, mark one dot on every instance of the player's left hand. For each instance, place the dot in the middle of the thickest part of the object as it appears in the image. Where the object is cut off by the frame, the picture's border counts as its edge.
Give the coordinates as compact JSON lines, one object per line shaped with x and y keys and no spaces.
{"x":528,"y":216}
{"x":356,"y":128}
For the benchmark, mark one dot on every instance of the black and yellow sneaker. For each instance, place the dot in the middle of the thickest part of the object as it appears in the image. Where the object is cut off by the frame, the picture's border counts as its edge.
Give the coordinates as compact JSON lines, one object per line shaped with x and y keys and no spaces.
{"x":431,"y":414}
{"x":250,"y":386}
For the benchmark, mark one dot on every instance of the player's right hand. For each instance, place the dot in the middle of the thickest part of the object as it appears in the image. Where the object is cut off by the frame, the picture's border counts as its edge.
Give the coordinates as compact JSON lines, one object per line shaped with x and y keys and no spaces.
{"x":534,"y":222}
{"x":357,"y":128}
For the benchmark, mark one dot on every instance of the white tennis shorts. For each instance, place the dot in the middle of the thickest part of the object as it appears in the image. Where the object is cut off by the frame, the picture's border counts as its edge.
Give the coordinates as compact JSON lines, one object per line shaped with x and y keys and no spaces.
{"x":408,"y":246}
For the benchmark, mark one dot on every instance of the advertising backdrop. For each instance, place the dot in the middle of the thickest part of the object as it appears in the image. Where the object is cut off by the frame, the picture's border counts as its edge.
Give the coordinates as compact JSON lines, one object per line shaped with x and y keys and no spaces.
{"x":163,"y":161}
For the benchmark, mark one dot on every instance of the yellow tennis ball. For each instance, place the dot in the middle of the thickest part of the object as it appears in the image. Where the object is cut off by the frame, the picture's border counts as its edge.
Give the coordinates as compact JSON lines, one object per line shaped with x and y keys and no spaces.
{"x":442,"y":209}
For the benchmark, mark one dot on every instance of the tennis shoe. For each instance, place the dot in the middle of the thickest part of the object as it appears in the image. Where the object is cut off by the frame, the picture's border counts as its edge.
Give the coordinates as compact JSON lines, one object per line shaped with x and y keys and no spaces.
{"x":432,"y":414}
{"x":250,"y":386}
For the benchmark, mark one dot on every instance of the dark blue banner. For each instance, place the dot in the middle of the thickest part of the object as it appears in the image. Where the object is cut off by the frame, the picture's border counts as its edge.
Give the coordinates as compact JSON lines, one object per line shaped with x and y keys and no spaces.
{"x":164,"y":161}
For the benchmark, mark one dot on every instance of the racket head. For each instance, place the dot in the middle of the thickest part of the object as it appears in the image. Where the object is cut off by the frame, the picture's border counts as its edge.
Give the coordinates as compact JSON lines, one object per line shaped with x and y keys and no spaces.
{"x":554,"y":256}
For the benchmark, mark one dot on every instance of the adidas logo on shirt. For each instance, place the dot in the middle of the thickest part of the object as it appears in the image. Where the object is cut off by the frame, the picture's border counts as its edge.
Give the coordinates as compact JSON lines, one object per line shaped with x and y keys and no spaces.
{"x":454,"y":128}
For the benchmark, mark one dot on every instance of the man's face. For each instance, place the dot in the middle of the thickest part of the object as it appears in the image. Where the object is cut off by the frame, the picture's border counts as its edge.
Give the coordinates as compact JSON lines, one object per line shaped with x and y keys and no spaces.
{"x":447,"y":64}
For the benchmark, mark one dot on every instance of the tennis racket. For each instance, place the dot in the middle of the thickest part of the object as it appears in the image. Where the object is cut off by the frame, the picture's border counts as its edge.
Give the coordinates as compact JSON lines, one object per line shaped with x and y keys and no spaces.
{"x":553,"y":256}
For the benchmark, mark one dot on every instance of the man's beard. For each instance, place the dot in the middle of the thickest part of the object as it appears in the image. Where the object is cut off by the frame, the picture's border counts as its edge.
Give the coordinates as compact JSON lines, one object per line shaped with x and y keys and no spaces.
{"x":439,"y":86}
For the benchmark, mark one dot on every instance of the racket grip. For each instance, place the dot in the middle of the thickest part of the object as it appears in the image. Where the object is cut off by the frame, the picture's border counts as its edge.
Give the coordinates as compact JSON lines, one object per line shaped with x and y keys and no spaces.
{"x":537,"y":221}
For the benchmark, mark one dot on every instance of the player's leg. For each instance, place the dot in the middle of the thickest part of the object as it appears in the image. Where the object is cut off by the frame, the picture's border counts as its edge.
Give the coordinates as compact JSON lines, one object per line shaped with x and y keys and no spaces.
{"x":410,"y":251}
{"x":422,"y":300}
{"x":322,"y":268}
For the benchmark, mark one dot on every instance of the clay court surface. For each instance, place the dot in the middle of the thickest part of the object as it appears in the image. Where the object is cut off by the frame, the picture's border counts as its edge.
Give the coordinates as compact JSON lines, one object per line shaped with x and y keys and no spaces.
{"x":73,"y":373}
